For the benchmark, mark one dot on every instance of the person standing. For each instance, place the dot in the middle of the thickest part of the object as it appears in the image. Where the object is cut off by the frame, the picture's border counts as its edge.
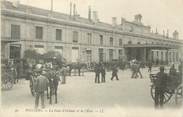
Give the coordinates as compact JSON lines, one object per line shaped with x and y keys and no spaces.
{"x":41,"y":85}
{"x":160,"y":87}
{"x":64,"y":73}
{"x":103,"y":73}
{"x":138,"y":70}
{"x":172,"y":70}
{"x":149,"y":66}
{"x":97,"y":73}
{"x":114,"y":73}
{"x":134,"y":70}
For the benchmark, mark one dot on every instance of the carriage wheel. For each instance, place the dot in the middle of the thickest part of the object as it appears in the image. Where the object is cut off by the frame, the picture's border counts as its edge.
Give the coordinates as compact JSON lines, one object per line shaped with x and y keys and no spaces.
{"x":9,"y":85}
{"x":167,"y":94}
{"x":179,"y":95}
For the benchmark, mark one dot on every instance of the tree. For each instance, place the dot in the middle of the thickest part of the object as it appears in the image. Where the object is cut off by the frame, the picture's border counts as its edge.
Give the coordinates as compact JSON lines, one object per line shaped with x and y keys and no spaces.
{"x":32,"y":56}
{"x":55,"y":57}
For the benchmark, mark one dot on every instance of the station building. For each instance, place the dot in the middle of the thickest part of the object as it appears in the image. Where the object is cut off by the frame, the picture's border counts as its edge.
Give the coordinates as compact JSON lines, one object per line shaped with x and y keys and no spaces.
{"x":83,"y":39}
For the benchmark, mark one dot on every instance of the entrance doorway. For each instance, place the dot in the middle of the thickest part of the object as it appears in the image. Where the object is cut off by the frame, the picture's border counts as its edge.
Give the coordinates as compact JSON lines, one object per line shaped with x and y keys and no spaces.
{"x":15,"y":51}
{"x":89,"y":56}
{"x":75,"y":54}
{"x":137,"y":53}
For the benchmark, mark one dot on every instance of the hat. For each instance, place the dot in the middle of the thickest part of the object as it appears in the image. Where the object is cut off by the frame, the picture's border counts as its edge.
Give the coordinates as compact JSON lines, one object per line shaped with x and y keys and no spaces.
{"x":162,"y":68}
{"x":43,"y":72}
{"x":38,"y":68}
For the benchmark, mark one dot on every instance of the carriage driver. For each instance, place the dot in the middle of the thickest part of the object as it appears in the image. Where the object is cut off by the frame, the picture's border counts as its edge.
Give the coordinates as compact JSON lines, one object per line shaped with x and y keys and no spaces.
{"x":160,"y":86}
{"x":40,"y":87}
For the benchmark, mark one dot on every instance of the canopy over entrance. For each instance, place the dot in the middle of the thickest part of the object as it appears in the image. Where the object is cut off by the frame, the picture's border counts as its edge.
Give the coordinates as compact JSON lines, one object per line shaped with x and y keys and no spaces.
{"x":146,"y":53}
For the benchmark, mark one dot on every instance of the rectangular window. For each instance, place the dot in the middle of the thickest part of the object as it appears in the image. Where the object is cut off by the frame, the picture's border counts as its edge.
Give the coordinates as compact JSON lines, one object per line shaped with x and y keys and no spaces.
{"x":110,"y":54}
{"x":39,"y":32}
{"x":15,"y":31}
{"x":111,"y":41}
{"x":161,"y":56}
{"x":39,"y":46}
{"x":120,"y":42}
{"x":75,"y":36}
{"x":101,"y":40}
{"x":58,"y":34}
{"x":89,"y":38}
{"x":59,"y":49}
{"x":101,"y":54}
{"x":120,"y":53}
{"x":89,"y":56}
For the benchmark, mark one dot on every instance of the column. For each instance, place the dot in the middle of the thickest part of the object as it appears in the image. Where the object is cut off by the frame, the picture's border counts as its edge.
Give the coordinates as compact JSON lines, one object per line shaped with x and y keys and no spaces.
{"x":172,"y":56}
{"x":166,"y":57}
{"x":144,"y":59}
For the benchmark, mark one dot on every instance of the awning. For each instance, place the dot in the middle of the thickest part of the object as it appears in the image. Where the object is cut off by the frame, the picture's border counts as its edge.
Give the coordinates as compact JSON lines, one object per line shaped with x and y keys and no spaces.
{"x":40,"y":50}
{"x":8,"y":40}
{"x":150,"y":46}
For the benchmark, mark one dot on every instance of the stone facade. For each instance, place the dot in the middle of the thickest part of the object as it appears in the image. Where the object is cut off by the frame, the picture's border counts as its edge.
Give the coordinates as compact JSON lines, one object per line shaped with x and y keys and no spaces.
{"x":81,"y":38}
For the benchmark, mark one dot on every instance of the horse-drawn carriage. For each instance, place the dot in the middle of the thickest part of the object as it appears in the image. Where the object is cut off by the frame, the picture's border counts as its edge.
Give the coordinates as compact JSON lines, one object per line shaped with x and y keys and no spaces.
{"x":174,"y":87}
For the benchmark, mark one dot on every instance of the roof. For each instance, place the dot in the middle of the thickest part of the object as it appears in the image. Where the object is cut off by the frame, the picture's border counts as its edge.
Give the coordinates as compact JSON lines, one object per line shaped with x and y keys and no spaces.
{"x":43,"y":12}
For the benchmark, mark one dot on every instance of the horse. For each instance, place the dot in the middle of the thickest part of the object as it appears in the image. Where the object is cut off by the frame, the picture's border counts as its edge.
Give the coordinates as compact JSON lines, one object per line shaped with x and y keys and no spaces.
{"x":53,"y":79}
{"x":76,"y":66}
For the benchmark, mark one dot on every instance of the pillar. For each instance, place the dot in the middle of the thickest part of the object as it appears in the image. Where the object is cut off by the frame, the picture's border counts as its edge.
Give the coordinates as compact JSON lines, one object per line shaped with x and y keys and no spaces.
{"x":144,"y":58}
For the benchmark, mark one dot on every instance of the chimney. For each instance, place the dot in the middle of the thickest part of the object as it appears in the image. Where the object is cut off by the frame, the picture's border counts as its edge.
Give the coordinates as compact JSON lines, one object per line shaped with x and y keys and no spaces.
{"x":138,"y":18}
{"x":70,"y":8}
{"x":175,"y":34}
{"x":114,"y":21}
{"x":74,"y":9}
{"x":163,"y":33}
{"x":16,"y":3}
{"x":167,"y":34}
{"x":89,"y":13}
{"x":123,"y":20}
{"x":95,"y":16}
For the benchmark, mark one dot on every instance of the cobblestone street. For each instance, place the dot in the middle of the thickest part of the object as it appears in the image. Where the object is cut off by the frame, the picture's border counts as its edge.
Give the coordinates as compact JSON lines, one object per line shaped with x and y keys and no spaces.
{"x":83,"y":92}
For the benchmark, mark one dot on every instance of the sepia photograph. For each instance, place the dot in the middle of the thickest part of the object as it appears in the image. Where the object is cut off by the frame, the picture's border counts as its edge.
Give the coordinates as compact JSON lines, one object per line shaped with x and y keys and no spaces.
{"x":92,"y":58}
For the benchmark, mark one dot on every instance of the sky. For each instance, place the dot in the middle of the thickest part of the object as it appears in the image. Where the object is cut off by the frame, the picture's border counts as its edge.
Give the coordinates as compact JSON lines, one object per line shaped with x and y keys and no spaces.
{"x":160,"y":14}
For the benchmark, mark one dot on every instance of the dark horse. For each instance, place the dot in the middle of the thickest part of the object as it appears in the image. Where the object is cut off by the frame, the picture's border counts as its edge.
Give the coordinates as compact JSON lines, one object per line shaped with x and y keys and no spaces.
{"x":76,"y":66}
{"x":53,"y":85}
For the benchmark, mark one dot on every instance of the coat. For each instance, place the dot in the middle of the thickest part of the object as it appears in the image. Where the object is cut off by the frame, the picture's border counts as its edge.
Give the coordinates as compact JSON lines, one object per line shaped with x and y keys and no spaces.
{"x":161,"y":81}
{"x":41,"y":83}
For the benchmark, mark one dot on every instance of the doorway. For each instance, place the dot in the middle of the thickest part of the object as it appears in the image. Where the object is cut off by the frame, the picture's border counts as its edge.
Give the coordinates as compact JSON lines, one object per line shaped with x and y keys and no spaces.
{"x":15,"y":51}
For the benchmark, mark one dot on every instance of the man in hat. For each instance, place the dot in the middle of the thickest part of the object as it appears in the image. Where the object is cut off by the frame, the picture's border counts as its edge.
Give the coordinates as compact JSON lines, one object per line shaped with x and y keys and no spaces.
{"x":103,"y":73}
{"x":97,"y":73}
{"x":114,"y":72}
{"x":41,"y":85}
{"x":160,"y":87}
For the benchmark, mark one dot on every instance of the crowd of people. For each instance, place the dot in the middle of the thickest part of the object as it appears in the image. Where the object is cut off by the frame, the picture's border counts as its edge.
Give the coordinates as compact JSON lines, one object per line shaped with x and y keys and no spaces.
{"x":40,"y":76}
{"x":100,"y":73}
{"x":135,"y":67}
{"x":48,"y":76}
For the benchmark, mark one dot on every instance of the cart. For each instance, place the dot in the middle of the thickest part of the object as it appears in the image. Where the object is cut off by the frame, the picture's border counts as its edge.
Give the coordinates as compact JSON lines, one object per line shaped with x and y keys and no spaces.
{"x":7,"y":79}
{"x":174,"y":88}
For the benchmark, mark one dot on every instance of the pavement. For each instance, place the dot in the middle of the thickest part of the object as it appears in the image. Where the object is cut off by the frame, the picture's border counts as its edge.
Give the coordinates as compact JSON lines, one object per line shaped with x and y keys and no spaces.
{"x":81,"y":91}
